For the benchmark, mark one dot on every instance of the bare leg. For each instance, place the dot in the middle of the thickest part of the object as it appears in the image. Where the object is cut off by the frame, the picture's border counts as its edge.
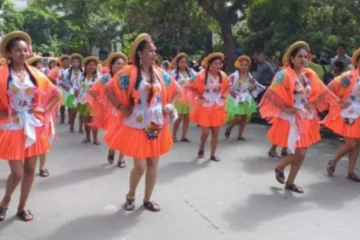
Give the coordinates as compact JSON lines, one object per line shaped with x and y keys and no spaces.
{"x":62,"y":114}
{"x":176,"y":126}
{"x":136,"y":173}
{"x":43,"y":171}
{"x":186,"y":124}
{"x":27,"y":182}
{"x":82,"y":120}
{"x":150,"y":178}
{"x":349,"y":144}
{"x":242,"y":124}
{"x":204,"y":136}
{"x":121,"y":162}
{"x":16,"y":174}
{"x":353,"y":156}
{"x":214,"y":139}
{"x":299,"y":157}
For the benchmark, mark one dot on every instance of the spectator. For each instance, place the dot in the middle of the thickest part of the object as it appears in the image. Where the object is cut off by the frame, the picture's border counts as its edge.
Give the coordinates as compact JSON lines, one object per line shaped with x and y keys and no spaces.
{"x":341,"y":55}
{"x":339,"y":68}
{"x":254,"y":62}
{"x":265,"y":71}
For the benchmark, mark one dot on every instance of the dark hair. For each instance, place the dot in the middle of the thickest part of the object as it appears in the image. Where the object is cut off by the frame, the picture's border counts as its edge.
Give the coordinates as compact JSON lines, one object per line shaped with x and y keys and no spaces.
{"x":51,"y":61}
{"x":94,"y":73}
{"x":343,"y":45}
{"x":46,"y":54}
{"x":294,"y":53}
{"x":11,"y":43}
{"x":113,"y":61}
{"x":208,"y":68}
{"x":36,"y":63}
{"x":341,"y":65}
{"x":141,"y":47}
{"x":177,"y":68}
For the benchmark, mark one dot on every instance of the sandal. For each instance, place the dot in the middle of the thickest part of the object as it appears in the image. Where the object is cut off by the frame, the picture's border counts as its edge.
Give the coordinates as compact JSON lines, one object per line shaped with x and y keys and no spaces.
{"x":72,"y":129}
{"x":111,"y":157}
{"x":44,"y":173}
{"x":284,"y":153}
{"x":86,"y":140}
{"x":273,"y":154}
{"x":331,"y":168}
{"x":2,"y":213}
{"x":184,"y":139}
{"x":152,"y":206}
{"x":227,"y":133}
{"x":122,"y":164}
{"x":353,"y":177}
{"x":81,"y":131}
{"x":201,"y":153}
{"x":96,"y":143}
{"x":129,"y":204}
{"x":175,"y":139}
{"x":25,"y":215}
{"x":294,"y":188}
{"x":241,"y":139}
{"x":215,"y":158}
{"x":279,"y":175}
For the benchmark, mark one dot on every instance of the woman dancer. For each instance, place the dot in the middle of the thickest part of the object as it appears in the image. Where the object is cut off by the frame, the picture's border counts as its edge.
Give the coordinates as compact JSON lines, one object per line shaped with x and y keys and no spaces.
{"x":141,"y":92}
{"x":344,"y":119}
{"x":36,"y":62}
{"x":104,"y":115}
{"x":182,"y":74}
{"x":210,"y":89}
{"x":70,"y":77}
{"x":81,"y":89}
{"x":290,"y":104}
{"x":240,"y":104}
{"x":27,"y":101}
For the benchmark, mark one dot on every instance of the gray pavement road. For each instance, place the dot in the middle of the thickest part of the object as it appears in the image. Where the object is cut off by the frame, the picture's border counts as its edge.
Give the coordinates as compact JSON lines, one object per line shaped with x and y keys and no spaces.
{"x":237,"y":198}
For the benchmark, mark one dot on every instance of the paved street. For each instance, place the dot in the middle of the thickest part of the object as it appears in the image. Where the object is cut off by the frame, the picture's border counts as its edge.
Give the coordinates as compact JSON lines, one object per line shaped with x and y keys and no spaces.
{"x":238,"y":198}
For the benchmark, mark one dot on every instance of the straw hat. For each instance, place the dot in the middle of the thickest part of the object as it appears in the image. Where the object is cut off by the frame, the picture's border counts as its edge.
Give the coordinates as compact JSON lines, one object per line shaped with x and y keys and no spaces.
{"x":91,"y":58}
{"x":139,"y":39}
{"x":176,"y":59}
{"x":76,"y":56}
{"x":240,"y":59}
{"x":10,"y":36}
{"x":299,"y":44}
{"x":64,"y":57}
{"x":211,"y":56}
{"x":114,"y":55}
{"x":355,"y":57}
{"x":33,"y":60}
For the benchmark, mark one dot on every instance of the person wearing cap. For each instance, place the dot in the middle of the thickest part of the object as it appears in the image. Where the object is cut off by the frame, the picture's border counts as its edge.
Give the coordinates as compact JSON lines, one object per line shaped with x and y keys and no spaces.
{"x":290,"y":104}
{"x":104,"y":112}
{"x":28,"y":101}
{"x":142,"y":93}
{"x":240,"y":104}
{"x":67,"y":81}
{"x":344,"y":119}
{"x":182,"y":75}
{"x":81,"y":88}
{"x":210,"y":89}
{"x":54,"y":75}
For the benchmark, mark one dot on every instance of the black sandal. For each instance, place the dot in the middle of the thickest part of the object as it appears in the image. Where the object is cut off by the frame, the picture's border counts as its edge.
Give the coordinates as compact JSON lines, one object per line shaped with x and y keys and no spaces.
{"x":294,"y":188}
{"x":280,"y":176}
{"x":44,"y":173}
{"x":201,"y":153}
{"x":111,"y":157}
{"x":284,"y":153}
{"x":215,"y":158}
{"x":273,"y":154}
{"x":24,"y":215}
{"x":152,"y":206}
{"x":227,"y":133}
{"x":129,"y":204}
{"x":353,"y":177}
{"x":121,"y":164}
{"x":86,"y":140}
{"x":81,"y":131}
{"x":241,"y":139}
{"x":3,"y":213}
{"x":96,"y":143}
{"x":331,"y":168}
{"x":185,"y":140}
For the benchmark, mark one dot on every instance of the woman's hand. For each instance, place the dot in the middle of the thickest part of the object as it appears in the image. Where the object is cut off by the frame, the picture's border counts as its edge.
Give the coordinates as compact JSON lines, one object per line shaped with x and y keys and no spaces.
{"x":289,"y":110}
{"x":309,"y":106}
{"x":125,"y":111}
{"x":39,"y":110}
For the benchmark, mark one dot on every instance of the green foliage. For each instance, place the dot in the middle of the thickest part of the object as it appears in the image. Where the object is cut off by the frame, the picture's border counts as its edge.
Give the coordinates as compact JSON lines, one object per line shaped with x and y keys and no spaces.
{"x":11,"y":19}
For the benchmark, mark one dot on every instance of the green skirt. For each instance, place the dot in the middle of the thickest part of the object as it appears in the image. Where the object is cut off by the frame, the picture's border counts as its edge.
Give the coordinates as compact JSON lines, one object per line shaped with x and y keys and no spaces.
{"x":182,"y":108}
{"x":241,"y":109}
{"x":69,"y":102}
{"x":84,"y":110}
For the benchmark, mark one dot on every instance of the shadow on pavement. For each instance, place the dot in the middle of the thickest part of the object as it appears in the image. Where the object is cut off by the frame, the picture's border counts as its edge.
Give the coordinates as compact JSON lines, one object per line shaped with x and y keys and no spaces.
{"x":96,"y":227}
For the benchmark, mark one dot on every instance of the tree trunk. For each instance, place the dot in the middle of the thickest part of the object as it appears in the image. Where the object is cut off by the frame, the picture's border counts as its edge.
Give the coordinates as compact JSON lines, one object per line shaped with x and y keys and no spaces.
{"x":208,"y":43}
{"x":229,"y":44}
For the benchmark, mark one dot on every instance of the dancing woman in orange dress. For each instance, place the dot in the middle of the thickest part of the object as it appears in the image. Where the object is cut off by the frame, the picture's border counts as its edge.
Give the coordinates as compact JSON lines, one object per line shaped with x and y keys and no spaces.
{"x":344,"y":119}
{"x":142,"y":93}
{"x":104,"y":113}
{"x":290,"y":104}
{"x":210,"y":89}
{"x":28,"y":100}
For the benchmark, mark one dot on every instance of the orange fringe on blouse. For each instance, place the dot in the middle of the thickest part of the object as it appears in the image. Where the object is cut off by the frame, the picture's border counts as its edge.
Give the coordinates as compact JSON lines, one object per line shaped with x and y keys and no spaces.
{"x":134,"y":142}
{"x":281,"y":94}
{"x":214,"y":116}
{"x":12,"y":142}
{"x":342,"y":87}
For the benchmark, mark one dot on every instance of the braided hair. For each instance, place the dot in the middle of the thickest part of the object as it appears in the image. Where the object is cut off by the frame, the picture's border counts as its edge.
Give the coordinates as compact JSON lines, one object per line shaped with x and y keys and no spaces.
{"x":141,"y":48}
{"x":113,"y":61}
{"x":208,"y":69}
{"x":177,"y":69}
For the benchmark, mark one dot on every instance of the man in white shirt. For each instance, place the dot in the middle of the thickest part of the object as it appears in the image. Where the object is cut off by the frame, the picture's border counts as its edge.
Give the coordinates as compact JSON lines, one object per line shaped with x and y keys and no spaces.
{"x":341,"y":56}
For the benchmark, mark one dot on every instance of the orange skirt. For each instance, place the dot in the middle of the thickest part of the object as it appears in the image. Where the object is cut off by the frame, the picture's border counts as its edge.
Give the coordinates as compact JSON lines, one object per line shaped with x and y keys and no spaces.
{"x":135,"y":143}
{"x":12,"y":144}
{"x":279,"y":132}
{"x":208,"y":116}
{"x":338,"y":126}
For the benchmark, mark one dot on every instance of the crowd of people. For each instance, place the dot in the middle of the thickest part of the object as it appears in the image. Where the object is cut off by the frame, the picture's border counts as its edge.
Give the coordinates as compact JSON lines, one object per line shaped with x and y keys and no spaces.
{"x":138,"y":96}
